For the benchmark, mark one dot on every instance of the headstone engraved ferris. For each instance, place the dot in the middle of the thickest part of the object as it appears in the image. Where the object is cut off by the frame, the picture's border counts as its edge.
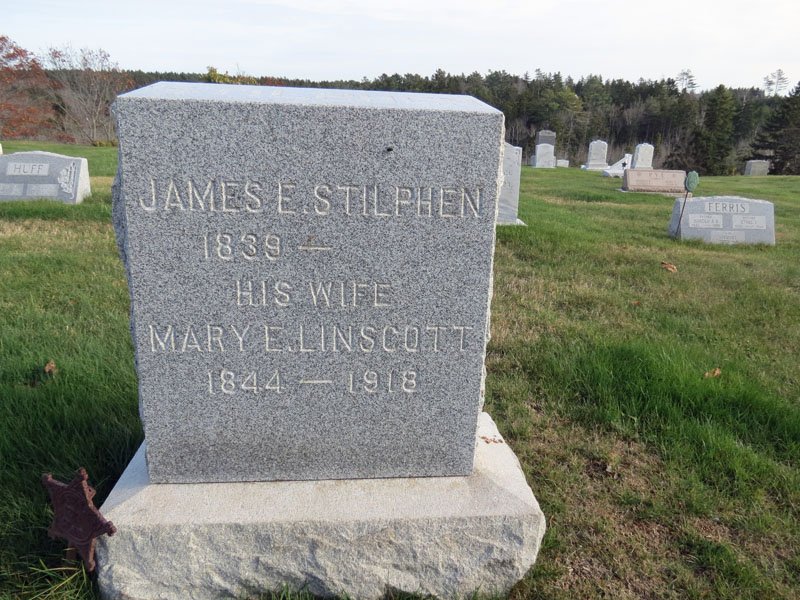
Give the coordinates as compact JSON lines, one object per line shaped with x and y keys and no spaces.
{"x":316,"y":320}
{"x":35,"y":174}
{"x":723,"y":220}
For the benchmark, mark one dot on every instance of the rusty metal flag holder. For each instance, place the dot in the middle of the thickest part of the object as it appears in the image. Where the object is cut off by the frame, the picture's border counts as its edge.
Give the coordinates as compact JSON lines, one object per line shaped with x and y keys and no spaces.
{"x":75,"y":517}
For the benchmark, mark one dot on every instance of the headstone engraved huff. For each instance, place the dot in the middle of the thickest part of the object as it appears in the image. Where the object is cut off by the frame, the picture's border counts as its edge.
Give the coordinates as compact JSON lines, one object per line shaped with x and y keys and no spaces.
{"x":32,"y":175}
{"x":310,"y":277}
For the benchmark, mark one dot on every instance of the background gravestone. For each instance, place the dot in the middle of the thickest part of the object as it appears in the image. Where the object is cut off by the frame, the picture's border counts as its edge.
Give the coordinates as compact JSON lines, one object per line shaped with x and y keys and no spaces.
{"x":545,"y":157}
{"x":508,"y":203}
{"x":596,"y":160}
{"x":756,"y":167}
{"x":643,"y":157}
{"x":654,"y":180}
{"x":618,"y":168}
{"x":32,"y":175}
{"x":545,"y":136}
{"x":723,"y":220}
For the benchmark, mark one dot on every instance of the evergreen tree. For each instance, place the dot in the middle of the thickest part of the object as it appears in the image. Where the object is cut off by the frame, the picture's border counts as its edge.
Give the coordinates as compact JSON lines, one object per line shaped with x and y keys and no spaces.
{"x":714,"y":142}
{"x":779,"y":142}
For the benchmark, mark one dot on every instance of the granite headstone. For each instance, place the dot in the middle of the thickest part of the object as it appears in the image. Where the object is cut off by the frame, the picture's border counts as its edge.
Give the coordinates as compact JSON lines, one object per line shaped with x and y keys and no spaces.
{"x":545,"y":157}
{"x":508,"y":203}
{"x":643,"y":157}
{"x":723,"y":220}
{"x":655,"y":181}
{"x":310,"y":275}
{"x":618,"y":168}
{"x":756,"y":167}
{"x":35,"y":174}
{"x":596,"y":160}
{"x":545,"y":136}
{"x":318,"y":288}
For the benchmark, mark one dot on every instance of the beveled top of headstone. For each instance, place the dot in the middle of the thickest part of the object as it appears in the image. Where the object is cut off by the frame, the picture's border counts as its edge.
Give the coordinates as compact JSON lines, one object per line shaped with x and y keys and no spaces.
{"x":545,"y":136}
{"x":310,"y":275}
{"x":261,"y":94}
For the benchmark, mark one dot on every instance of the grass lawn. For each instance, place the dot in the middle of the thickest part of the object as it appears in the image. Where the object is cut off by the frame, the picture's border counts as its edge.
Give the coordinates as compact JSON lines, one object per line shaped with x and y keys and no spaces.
{"x":657,"y":482}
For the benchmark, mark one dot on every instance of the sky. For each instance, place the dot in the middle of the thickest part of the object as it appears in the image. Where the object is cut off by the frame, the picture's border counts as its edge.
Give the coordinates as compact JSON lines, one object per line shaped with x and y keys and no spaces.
{"x":731,"y":42}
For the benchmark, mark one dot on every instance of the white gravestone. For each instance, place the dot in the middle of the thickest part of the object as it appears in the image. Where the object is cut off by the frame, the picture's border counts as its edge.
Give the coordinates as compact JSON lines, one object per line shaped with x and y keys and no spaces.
{"x":596,"y":160}
{"x":545,"y":157}
{"x":310,"y":275}
{"x":508,"y":204}
{"x":618,"y":168}
{"x":32,"y":175}
{"x":643,"y":157}
{"x":723,"y":220}
{"x":756,"y":167}
{"x":562,"y":162}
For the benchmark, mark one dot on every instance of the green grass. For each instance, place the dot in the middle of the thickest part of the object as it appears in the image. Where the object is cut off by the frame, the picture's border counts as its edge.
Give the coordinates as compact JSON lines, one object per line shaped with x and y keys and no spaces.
{"x":657,"y":482}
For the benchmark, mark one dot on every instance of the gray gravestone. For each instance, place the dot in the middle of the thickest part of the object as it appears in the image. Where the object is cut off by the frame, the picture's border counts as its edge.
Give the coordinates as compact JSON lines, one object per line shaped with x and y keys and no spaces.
{"x":618,"y":168}
{"x":545,"y":157}
{"x":562,"y":162}
{"x":756,"y":167}
{"x":545,"y":136}
{"x":596,"y":160}
{"x":306,"y":295}
{"x":508,"y":203}
{"x":654,"y":181}
{"x":643,"y":157}
{"x":32,"y":175}
{"x":310,"y":275}
{"x":723,"y":220}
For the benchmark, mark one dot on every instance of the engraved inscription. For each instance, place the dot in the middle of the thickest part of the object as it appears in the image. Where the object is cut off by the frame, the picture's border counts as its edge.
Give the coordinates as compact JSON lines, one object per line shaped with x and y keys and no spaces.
{"x":727,"y":207}
{"x":705,"y":221}
{"x":309,"y":338}
{"x":727,"y":237}
{"x":29,"y":169}
{"x":245,"y":246}
{"x":42,"y":189}
{"x":216,"y":195}
{"x":749,"y":222}
{"x":11,"y":189}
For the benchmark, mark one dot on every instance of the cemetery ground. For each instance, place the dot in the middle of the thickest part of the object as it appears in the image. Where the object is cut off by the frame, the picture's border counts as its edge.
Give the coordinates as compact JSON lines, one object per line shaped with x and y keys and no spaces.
{"x":650,"y":387}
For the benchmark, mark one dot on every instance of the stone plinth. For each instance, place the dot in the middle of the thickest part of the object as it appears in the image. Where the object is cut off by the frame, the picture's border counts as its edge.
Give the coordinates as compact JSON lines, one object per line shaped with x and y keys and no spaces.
{"x":643,"y":156}
{"x":756,"y":167}
{"x":654,"y":181}
{"x":723,"y":220}
{"x":33,"y":175}
{"x":596,"y":160}
{"x":445,"y":536}
{"x":508,"y":203}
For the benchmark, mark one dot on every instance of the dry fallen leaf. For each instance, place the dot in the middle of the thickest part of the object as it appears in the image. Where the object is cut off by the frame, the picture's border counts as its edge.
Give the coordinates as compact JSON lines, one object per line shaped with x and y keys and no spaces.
{"x":716,"y":372}
{"x":51,"y":368}
{"x":669,"y":267}
{"x":636,"y":303}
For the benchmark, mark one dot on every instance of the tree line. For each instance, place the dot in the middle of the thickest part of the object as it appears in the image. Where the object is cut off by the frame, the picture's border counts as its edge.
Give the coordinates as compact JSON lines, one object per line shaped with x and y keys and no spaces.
{"x":66,"y":95}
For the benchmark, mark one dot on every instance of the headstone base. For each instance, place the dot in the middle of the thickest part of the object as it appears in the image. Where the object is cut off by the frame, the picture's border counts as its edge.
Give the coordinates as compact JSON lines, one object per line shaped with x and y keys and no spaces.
{"x":445,"y":536}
